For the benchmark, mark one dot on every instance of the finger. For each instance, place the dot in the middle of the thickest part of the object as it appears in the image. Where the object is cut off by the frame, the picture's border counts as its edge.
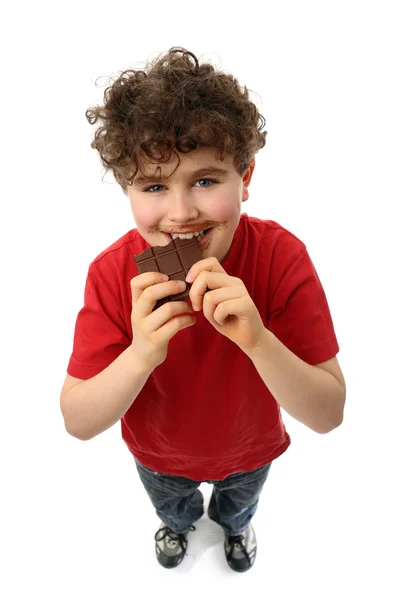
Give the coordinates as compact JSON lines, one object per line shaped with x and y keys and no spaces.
{"x":149,"y":296}
{"x":209,"y":281}
{"x":174,"y":325}
{"x":168,"y":311}
{"x":238,"y":307}
{"x":210,"y":264}
{"x":215,"y":298}
{"x":143,"y":281}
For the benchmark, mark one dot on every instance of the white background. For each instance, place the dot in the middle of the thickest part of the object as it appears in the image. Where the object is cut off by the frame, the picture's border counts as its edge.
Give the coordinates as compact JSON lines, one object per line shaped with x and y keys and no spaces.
{"x":75,"y":519}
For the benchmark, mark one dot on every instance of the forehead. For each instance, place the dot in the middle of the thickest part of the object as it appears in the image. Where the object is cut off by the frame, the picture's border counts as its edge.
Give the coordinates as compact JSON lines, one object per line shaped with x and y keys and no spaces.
{"x":193,"y":163}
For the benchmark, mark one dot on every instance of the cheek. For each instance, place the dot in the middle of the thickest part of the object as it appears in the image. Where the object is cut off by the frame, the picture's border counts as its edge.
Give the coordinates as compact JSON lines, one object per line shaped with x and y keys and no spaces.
{"x":145,"y":216}
{"x":225,"y":207}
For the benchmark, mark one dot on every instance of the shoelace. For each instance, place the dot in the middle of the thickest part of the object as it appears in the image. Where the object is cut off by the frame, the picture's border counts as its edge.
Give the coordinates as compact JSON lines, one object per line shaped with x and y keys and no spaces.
{"x":238,"y":541}
{"x":172,"y":535}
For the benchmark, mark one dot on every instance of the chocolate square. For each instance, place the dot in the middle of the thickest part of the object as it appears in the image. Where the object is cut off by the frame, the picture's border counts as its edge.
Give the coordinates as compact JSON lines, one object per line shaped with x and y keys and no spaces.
{"x":174,"y":260}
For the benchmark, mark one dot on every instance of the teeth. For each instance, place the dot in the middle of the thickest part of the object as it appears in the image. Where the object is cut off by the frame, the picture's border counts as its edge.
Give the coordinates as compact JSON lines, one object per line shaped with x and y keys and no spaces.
{"x":187,"y":236}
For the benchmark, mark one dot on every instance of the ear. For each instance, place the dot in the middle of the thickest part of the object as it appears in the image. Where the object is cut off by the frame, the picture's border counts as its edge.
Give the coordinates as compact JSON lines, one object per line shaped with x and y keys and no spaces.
{"x":247,"y":178}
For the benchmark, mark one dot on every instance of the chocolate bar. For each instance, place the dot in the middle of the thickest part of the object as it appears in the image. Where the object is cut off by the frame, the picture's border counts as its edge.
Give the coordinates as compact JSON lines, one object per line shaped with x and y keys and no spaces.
{"x":174,"y":260}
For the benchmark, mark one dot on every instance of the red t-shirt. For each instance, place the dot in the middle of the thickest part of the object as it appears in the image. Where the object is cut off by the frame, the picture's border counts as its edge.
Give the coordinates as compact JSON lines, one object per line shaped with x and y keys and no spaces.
{"x":205,"y":412}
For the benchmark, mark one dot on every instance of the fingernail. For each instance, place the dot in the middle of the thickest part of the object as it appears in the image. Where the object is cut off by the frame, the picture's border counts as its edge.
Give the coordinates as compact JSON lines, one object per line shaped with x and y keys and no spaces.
{"x":189,"y":278}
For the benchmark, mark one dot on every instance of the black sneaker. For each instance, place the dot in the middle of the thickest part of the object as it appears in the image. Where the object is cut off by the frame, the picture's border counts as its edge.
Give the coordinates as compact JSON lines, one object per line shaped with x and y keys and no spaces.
{"x":170,"y":546}
{"x":241,"y":550}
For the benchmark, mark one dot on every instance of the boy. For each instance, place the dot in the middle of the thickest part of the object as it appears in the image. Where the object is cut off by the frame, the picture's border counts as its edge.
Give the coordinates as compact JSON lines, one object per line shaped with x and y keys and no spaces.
{"x":198,"y":385}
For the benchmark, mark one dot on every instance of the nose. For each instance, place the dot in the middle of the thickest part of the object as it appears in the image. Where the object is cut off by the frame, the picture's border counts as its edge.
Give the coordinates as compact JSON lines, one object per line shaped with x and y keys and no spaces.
{"x":181,"y":208}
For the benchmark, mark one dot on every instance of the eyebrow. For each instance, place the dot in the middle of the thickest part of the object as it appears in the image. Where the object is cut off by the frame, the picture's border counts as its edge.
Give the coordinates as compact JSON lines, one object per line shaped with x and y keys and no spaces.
{"x":140,"y":180}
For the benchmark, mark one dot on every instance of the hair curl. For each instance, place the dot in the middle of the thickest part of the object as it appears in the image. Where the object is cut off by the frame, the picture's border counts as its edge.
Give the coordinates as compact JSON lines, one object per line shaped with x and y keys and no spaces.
{"x":175,"y":103}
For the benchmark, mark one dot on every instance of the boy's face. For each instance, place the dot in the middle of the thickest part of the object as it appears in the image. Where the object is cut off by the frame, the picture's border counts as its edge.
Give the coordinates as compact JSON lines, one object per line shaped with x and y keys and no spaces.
{"x":193,"y":198}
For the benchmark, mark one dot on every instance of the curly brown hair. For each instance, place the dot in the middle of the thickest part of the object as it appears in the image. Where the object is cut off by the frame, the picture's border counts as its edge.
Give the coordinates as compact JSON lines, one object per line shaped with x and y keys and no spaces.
{"x":175,"y":103}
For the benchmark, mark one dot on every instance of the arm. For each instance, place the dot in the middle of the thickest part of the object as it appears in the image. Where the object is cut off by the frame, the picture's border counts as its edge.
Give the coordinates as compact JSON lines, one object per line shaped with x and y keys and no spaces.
{"x":308,"y":393}
{"x":92,"y":406}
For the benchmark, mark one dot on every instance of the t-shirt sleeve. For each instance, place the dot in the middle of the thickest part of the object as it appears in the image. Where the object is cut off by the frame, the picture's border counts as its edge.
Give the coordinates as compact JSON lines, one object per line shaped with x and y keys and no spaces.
{"x":300,"y":317}
{"x":100,"y":333}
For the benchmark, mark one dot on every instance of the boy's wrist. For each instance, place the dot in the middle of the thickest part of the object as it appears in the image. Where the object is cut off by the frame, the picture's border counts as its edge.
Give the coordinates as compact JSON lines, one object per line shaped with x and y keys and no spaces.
{"x":143,"y":363}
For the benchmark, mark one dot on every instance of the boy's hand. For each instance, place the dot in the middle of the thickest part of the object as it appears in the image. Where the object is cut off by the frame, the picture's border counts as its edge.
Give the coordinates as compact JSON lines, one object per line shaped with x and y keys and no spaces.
{"x":152,"y":330}
{"x":227,"y":304}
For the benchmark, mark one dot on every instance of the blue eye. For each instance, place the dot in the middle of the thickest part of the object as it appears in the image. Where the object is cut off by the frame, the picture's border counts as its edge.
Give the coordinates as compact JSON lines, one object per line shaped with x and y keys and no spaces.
{"x":152,"y":186}
{"x":160,"y":186}
{"x":205,"y":179}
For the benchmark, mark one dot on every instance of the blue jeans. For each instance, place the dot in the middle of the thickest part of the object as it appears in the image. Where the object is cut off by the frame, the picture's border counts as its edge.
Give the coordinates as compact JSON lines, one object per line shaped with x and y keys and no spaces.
{"x":179,"y":502}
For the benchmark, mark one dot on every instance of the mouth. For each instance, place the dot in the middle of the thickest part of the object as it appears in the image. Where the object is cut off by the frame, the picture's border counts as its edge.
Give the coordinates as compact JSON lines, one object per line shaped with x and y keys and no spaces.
{"x":198,"y":235}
